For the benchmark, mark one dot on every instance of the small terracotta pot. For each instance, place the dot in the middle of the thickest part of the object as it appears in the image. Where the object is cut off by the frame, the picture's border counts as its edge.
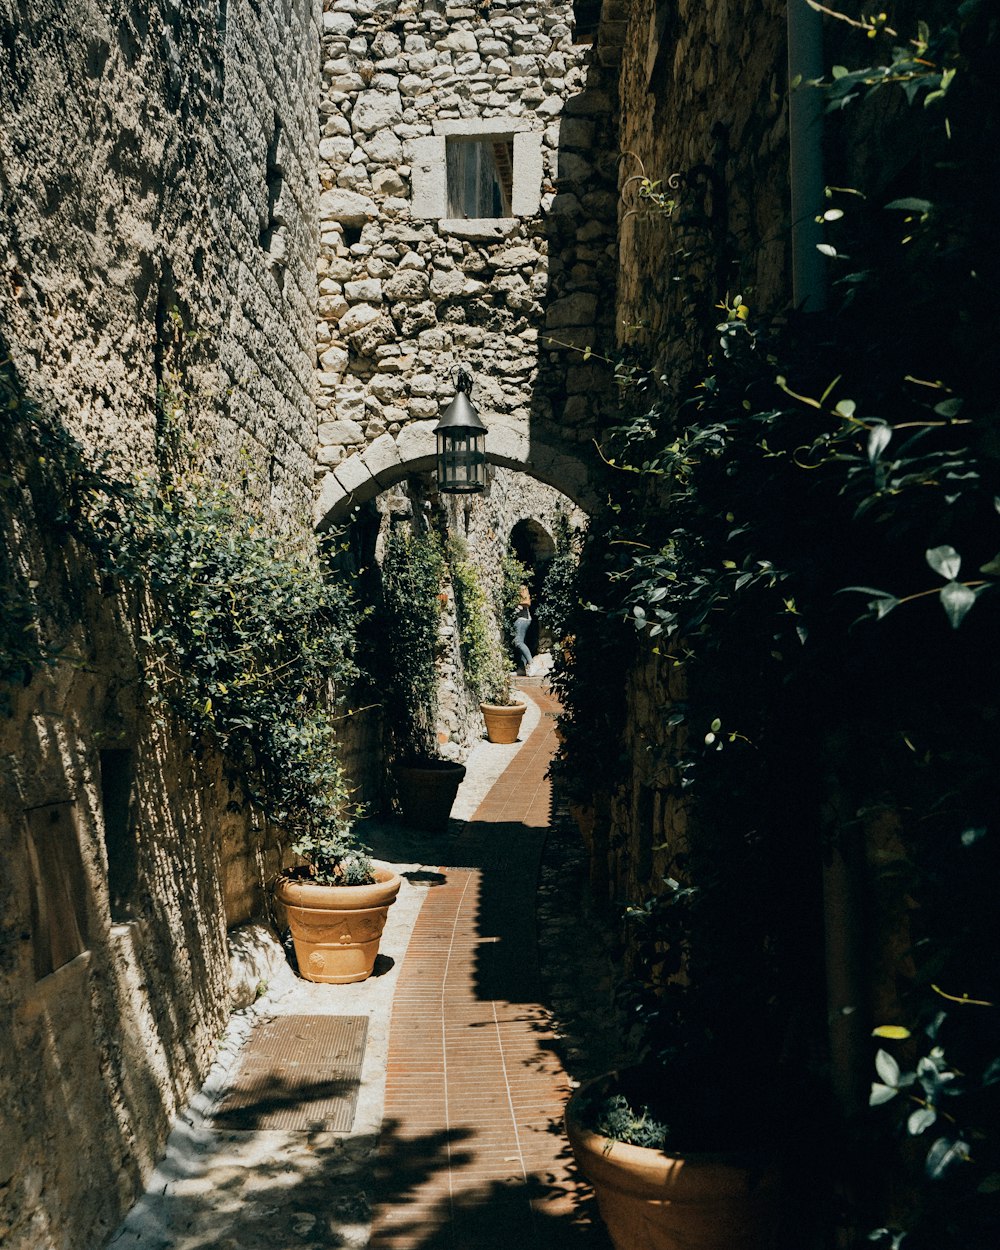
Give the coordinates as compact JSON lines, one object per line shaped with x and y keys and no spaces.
{"x":651,"y":1200}
{"x":427,"y":790}
{"x":336,"y":928}
{"x":503,"y":723}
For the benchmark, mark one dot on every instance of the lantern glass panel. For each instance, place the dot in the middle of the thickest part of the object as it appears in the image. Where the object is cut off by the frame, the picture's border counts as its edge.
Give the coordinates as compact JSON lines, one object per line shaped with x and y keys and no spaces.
{"x":461,"y":460}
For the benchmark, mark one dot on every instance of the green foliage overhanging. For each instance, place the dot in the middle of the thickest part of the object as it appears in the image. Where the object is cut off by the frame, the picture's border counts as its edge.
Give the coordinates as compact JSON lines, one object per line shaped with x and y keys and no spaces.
{"x":558,"y":594}
{"x":484,"y":661}
{"x":811,"y":538}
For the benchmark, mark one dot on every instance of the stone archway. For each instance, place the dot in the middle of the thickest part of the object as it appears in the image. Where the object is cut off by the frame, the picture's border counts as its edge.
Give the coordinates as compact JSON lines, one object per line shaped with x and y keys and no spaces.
{"x":389,"y":460}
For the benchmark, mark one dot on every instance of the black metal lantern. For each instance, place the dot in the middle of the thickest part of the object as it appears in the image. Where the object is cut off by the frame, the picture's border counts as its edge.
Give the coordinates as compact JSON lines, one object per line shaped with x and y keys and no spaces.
{"x":461,"y":443}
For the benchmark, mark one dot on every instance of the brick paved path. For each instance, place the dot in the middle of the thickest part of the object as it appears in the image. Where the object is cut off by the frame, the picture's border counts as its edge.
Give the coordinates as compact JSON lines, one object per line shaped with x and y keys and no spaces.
{"x":472,"y":1153}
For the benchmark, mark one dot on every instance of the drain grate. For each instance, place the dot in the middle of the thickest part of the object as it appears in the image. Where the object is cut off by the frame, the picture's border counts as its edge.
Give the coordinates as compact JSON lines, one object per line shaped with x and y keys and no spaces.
{"x":297,"y":1072}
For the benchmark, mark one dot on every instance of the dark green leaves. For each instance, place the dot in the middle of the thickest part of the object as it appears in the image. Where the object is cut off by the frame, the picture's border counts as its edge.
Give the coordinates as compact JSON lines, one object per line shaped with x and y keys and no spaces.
{"x":944,"y":560}
{"x":956,"y":597}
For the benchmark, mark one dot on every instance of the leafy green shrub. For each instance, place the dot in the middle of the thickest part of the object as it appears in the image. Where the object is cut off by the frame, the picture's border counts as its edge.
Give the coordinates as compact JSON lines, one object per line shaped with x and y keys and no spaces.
{"x":770,"y":537}
{"x":251,"y":643}
{"x":246,"y":635}
{"x":513,"y":575}
{"x":559,"y":596}
{"x":413,"y":571}
{"x":484,"y":662}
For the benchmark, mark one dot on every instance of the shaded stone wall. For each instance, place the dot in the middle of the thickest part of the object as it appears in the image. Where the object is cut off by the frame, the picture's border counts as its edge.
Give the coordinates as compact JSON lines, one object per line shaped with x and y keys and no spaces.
{"x":157,"y":191}
{"x":703,"y":94}
{"x":407,"y":291}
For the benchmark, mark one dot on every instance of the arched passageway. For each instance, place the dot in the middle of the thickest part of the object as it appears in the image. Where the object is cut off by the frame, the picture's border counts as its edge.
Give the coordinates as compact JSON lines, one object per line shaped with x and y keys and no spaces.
{"x":535,"y":547}
{"x":389,"y":460}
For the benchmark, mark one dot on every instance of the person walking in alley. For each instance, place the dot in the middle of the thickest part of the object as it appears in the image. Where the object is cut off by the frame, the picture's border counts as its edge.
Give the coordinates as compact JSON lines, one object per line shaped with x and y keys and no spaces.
{"x":522,"y":619}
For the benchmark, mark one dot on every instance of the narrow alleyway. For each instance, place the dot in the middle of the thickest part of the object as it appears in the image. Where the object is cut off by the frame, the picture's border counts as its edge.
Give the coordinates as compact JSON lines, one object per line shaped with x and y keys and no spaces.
{"x":475,"y":1089}
{"x":457,"y":1139}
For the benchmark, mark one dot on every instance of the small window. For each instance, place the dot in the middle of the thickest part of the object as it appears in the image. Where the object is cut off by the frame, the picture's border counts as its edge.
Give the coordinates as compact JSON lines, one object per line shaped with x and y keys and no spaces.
{"x":480,"y":176}
{"x":119,"y":831}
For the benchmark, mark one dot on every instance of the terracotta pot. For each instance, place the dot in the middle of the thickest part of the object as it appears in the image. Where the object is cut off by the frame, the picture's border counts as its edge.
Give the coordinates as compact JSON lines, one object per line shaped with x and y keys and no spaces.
{"x":427,"y":790}
{"x":503,"y":722}
{"x":336,"y":928}
{"x":651,"y":1200}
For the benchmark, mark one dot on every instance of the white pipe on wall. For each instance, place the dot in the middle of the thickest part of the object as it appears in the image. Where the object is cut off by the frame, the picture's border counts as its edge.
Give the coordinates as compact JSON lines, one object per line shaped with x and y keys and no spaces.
{"x":805,"y":129}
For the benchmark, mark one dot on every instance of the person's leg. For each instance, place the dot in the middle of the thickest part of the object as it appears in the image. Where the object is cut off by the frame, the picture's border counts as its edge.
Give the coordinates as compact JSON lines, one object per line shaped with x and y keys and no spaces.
{"x":520,"y":629}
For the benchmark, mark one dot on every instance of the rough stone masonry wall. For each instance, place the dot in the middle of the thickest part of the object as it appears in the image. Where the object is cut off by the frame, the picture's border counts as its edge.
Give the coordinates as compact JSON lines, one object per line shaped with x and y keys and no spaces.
{"x":154,"y":156}
{"x":405,"y":294}
{"x":705,"y":95}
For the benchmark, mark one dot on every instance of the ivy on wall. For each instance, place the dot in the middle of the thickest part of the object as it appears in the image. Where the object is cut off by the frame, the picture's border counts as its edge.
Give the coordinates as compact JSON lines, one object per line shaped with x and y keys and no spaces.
{"x":413,"y":572}
{"x":245,"y":634}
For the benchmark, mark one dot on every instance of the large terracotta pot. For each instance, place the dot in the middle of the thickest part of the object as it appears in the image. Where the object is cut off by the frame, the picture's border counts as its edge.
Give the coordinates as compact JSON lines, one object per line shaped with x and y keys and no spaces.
{"x":650,"y":1200}
{"x":427,"y":790}
{"x":503,"y":722}
{"x":336,"y":928}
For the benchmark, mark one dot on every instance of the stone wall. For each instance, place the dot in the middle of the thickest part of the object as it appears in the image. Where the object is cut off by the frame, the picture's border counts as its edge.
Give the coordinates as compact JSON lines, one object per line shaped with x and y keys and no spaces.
{"x":407,"y":292}
{"x":703,"y":95}
{"x":158,"y":285}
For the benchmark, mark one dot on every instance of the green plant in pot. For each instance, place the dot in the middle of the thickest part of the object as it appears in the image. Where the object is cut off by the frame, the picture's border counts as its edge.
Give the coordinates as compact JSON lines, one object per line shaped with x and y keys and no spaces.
{"x":683,"y":1146}
{"x":413,"y":574}
{"x":484,"y":659}
{"x":336,"y":902}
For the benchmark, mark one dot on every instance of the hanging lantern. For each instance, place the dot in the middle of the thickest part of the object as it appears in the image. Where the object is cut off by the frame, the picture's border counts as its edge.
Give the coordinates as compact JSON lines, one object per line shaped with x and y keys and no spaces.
{"x":461,"y":443}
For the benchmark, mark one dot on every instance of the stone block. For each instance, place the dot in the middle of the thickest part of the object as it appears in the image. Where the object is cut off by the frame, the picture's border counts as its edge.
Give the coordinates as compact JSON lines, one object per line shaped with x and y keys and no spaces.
{"x":366,"y":290}
{"x":417,"y":445}
{"x":424,"y":384}
{"x":382,"y":460}
{"x":507,"y":447}
{"x":578,"y":309}
{"x":388,"y":182}
{"x":350,"y":208}
{"x":335,"y":359}
{"x":406,"y":286}
{"x":339,"y":433}
{"x":353,"y":475}
{"x":332,"y":496}
{"x":376,"y":110}
{"x":357,"y":317}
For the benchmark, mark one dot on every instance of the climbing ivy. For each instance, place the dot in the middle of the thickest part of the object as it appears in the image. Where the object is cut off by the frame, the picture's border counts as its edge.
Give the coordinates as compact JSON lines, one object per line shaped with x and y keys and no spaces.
{"x":246,"y":635}
{"x":484,"y":660}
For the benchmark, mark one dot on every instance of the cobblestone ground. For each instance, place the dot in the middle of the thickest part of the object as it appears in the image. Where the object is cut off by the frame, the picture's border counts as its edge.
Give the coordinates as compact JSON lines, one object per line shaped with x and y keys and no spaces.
{"x":510,"y":976}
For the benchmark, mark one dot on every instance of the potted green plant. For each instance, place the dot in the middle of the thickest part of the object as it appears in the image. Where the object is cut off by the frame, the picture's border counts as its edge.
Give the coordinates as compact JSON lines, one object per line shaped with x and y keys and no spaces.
{"x":654,"y":1196}
{"x":684,"y":1147}
{"x":336,"y":903}
{"x":502,"y":710}
{"x":413,"y":574}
